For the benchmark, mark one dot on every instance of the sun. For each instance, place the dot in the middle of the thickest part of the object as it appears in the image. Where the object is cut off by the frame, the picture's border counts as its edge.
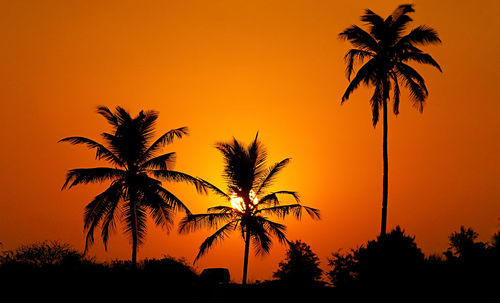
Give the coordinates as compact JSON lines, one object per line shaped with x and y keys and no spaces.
{"x":238,"y":203}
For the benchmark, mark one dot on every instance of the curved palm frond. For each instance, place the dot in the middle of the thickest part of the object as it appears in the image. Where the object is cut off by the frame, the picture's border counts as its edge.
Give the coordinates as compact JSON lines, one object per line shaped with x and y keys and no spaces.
{"x":163,"y":162}
{"x":415,"y":83}
{"x":91,"y":175}
{"x":354,"y":55}
{"x":176,"y":176}
{"x":421,"y":35}
{"x":365,"y":74}
{"x":359,"y":38}
{"x":220,"y":209}
{"x":216,"y":237}
{"x":215,"y":189}
{"x":100,"y":205}
{"x":259,"y":236}
{"x":282,"y":211}
{"x":422,"y":58}
{"x":163,"y":140}
{"x":397,"y":93}
{"x":270,"y":176}
{"x":272,"y":198}
{"x":193,"y":222}
{"x":101,"y":151}
{"x":277,"y":229}
{"x":171,"y":200}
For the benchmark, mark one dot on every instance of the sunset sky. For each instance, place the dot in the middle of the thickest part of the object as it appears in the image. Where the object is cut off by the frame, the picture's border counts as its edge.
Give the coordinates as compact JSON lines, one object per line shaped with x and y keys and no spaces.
{"x":232,"y":68}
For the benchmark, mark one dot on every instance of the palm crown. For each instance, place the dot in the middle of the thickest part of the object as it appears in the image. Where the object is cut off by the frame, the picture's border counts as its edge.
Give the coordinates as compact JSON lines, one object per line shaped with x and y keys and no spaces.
{"x":135,"y":187}
{"x":247,"y":181}
{"x":387,"y":52}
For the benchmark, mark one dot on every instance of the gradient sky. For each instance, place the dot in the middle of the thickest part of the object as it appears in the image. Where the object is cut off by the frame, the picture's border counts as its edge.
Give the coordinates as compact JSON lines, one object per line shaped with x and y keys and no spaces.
{"x":232,"y":68}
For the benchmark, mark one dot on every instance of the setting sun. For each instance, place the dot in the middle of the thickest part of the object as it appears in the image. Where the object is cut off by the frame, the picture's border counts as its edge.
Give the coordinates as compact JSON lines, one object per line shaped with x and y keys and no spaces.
{"x":238,"y":202}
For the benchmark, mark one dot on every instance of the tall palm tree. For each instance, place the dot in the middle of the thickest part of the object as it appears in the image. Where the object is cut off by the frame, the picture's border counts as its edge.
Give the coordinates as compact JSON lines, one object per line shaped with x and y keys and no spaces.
{"x":247,"y":182}
{"x":136,"y":167}
{"x":387,"y":52}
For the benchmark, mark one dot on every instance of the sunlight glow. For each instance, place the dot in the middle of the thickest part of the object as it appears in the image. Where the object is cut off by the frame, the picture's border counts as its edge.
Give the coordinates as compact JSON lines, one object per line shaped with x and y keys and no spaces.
{"x":238,"y":203}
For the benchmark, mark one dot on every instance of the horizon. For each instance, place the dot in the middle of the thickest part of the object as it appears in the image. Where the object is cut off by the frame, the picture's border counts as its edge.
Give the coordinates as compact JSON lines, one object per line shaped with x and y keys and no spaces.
{"x":231,"y":69}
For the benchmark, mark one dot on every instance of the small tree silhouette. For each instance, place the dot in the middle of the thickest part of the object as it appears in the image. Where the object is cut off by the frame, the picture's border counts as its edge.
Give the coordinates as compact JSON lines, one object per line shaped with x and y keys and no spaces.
{"x":300,"y":267}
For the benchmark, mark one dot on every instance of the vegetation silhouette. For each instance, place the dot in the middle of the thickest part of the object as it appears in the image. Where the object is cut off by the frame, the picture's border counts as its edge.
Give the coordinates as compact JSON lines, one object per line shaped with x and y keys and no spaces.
{"x":387,"y":51}
{"x":301,"y":266}
{"x":135,"y":187}
{"x":393,"y":264}
{"x":247,"y":182}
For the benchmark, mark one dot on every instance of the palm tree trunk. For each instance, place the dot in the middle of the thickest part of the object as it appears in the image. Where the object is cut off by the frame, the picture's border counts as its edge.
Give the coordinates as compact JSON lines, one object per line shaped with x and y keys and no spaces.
{"x":245,"y":260}
{"x":385,"y":177}
{"x":134,"y":231}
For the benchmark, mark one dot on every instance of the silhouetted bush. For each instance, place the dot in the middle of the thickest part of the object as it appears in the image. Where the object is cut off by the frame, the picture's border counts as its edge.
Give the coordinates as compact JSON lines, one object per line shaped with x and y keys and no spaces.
{"x":301,"y":266}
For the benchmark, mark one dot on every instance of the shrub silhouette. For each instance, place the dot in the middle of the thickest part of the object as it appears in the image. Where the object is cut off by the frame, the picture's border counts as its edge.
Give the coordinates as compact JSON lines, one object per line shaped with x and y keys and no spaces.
{"x":301,"y":266}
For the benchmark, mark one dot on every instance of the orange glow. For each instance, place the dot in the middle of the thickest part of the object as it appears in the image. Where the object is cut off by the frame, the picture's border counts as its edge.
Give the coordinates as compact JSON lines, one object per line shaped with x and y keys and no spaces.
{"x":229,"y":68}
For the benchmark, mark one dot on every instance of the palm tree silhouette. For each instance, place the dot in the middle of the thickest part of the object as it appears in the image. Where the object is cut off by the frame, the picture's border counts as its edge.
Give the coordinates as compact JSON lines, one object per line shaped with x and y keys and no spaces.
{"x":247,"y":181}
{"x":135,"y":189}
{"x":387,"y":52}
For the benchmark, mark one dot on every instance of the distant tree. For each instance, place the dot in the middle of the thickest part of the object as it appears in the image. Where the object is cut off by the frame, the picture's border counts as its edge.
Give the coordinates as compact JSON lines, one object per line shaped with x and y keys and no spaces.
{"x":247,"y":181}
{"x":135,"y":177}
{"x":465,"y":247}
{"x":387,"y":52}
{"x":344,"y":272}
{"x":300,"y":267}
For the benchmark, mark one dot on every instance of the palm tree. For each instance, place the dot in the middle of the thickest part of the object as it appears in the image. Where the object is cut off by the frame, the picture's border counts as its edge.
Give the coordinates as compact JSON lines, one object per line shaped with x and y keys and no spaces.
{"x":136,"y":167}
{"x":387,"y":52}
{"x":247,"y":182}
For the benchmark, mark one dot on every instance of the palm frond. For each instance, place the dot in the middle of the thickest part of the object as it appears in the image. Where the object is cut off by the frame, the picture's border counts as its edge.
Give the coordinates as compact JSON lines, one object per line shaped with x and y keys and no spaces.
{"x":359,"y":38}
{"x":172,"y":201}
{"x":101,"y":151}
{"x":272,"y":198}
{"x":220,"y":209}
{"x":108,"y":115}
{"x":421,"y":35}
{"x":364,"y":74}
{"x":376,"y":102}
{"x":415,"y":83}
{"x":422,"y":58}
{"x":194,"y":222}
{"x":163,"y":162}
{"x":91,"y":175}
{"x":281,"y":211}
{"x":271,"y":174}
{"x":176,"y":176}
{"x":397,"y":93}
{"x":277,"y":229}
{"x":163,"y":140}
{"x":216,"y":237}
{"x":354,"y":55}
{"x":259,"y":236}
{"x":108,"y":224}
{"x":215,"y":189}
{"x":98,"y":207}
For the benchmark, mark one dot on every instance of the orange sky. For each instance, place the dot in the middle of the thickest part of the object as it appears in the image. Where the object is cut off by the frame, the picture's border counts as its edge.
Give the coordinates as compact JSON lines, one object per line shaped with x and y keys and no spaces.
{"x":231,"y":68}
